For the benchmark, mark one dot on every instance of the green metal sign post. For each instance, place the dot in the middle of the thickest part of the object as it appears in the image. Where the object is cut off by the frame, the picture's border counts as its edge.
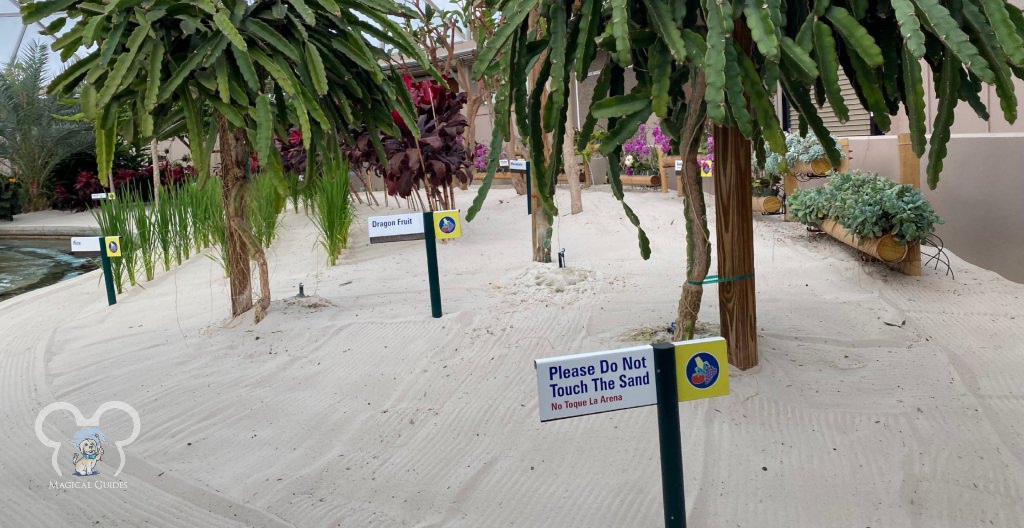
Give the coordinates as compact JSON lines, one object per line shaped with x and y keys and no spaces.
{"x":435,"y":282}
{"x":108,"y":274}
{"x":669,"y":435}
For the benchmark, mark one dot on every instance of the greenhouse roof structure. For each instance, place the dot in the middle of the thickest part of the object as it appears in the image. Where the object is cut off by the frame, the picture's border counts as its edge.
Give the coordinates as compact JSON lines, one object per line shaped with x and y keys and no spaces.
{"x":15,"y":36}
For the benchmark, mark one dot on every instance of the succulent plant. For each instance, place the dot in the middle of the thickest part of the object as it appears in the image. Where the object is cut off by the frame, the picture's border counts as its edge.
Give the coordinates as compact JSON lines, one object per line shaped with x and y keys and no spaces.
{"x":867,"y":205}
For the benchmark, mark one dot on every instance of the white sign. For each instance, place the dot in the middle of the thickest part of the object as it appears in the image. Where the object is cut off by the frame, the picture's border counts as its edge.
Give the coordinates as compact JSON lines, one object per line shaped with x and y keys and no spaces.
{"x":395,"y":228}
{"x":85,"y":244}
{"x":597,"y":382}
{"x":503,"y":163}
{"x":517,"y":165}
{"x":99,"y":196}
{"x":679,"y":165}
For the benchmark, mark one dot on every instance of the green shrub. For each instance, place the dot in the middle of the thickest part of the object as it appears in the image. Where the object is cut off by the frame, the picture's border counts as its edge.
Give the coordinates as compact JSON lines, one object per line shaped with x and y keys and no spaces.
{"x":867,"y":205}
{"x":10,"y":198}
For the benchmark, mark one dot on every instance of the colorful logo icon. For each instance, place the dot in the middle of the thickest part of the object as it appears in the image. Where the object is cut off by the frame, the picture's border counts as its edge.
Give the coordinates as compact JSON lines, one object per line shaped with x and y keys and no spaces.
{"x":113,"y":246}
{"x":446,"y":225}
{"x":702,"y":370}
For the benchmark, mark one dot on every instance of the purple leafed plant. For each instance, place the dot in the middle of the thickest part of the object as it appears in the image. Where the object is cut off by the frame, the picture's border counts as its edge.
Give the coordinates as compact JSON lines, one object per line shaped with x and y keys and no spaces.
{"x":439,"y":157}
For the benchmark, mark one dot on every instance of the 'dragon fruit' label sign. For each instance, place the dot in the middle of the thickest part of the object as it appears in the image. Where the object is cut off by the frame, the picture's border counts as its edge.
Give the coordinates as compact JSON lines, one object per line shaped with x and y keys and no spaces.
{"x":597,"y":382}
{"x":702,"y":369}
{"x":395,"y":228}
{"x":517,"y":165}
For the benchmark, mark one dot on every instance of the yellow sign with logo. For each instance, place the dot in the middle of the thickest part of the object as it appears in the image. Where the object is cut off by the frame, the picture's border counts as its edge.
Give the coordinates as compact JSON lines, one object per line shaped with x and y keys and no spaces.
{"x":706,"y":168}
{"x":447,"y":224}
{"x":112,"y":245}
{"x":702,"y":369}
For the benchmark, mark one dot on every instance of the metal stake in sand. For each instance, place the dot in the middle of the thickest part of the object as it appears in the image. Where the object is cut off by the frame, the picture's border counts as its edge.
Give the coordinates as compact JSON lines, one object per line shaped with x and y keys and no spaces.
{"x":432,"y":275}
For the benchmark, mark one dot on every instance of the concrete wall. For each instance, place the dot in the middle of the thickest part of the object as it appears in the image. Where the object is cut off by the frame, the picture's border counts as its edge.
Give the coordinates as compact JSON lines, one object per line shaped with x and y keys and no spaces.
{"x":979,"y":195}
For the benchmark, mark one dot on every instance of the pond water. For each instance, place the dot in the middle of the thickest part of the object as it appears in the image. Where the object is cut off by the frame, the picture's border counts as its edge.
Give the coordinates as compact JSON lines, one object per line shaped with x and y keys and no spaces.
{"x":30,"y":264}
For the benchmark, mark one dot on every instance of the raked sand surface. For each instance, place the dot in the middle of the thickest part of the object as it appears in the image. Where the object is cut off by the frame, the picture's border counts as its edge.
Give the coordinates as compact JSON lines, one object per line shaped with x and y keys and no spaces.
{"x":881,"y":400}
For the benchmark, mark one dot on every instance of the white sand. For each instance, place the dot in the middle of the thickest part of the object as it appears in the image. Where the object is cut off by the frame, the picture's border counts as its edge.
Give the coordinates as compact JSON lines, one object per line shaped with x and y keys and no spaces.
{"x":355,"y":408}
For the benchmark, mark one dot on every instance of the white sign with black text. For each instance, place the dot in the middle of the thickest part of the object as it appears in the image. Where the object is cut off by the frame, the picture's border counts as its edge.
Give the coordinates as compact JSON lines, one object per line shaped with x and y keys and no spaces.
{"x":517,"y":165}
{"x":395,"y":228}
{"x":596,"y":382}
{"x":85,"y":245}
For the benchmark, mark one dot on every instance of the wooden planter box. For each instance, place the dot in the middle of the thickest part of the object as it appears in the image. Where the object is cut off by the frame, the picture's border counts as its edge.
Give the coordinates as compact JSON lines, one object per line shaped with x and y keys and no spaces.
{"x":478,"y":176}
{"x":885,"y":248}
{"x":767,"y":204}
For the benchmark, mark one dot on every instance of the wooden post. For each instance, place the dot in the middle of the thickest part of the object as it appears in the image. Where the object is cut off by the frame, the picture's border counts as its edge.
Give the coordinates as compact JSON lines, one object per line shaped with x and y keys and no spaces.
{"x":910,"y":172}
{"x":844,"y":146}
{"x":735,"y":235}
{"x":661,"y":170}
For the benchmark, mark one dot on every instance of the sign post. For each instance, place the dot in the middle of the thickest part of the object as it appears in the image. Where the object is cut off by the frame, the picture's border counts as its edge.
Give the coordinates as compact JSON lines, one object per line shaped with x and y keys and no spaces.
{"x":432,"y":274}
{"x":105,"y":248}
{"x":663,"y":375}
{"x":111,"y":247}
{"x":429,"y":226}
{"x":669,"y":435}
{"x":523,"y":167}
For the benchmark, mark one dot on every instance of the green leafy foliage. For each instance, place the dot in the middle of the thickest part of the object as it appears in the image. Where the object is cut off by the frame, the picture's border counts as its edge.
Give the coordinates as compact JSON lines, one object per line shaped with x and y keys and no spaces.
{"x":879,"y":47}
{"x":37,"y":132}
{"x":867,"y":205}
{"x":10,"y":198}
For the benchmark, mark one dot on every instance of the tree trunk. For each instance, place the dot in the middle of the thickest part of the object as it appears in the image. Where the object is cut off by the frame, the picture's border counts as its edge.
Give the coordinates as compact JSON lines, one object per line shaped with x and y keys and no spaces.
{"x":571,"y":168}
{"x":242,"y":245}
{"x":698,"y":241}
{"x":153,"y":150}
{"x":541,"y":220}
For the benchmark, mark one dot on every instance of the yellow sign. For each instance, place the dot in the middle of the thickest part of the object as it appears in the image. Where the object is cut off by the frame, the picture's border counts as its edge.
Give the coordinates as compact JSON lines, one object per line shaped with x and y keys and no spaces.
{"x":447,"y":225}
{"x":702,"y":369}
{"x":706,"y":167}
{"x":112,"y":245}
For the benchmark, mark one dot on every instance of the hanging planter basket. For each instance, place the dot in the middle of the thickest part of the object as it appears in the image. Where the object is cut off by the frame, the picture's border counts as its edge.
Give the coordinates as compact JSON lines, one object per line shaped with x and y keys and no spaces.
{"x":885,"y":248}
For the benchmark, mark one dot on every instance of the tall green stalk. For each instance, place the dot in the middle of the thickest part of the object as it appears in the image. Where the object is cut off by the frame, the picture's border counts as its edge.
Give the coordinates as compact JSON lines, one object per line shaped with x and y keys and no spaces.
{"x":265,"y":206}
{"x":145,"y":235}
{"x":163,"y":220}
{"x":332,"y":210}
